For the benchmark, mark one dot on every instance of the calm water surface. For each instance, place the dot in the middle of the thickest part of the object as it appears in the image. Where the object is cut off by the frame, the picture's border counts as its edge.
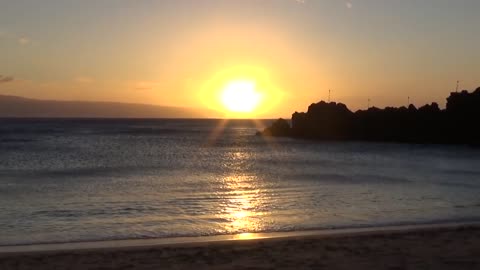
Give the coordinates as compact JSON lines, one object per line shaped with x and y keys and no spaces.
{"x":88,"y":180}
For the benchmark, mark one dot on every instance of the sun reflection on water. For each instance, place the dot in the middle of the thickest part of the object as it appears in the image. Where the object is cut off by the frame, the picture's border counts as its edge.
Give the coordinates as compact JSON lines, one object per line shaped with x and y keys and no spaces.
{"x":243,"y":198}
{"x":246,"y":236}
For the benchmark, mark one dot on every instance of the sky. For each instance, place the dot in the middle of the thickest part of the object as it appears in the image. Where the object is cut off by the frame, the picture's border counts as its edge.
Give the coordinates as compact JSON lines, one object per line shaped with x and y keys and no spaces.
{"x":181,"y":52}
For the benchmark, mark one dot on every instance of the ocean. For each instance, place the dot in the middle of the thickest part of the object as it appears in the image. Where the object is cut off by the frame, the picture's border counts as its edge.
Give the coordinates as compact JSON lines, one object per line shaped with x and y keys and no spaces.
{"x":69,"y":180}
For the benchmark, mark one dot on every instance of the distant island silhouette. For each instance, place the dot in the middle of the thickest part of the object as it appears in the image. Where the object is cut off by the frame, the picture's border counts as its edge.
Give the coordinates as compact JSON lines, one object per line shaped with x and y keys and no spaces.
{"x":458,"y":123}
{"x":14,"y":106}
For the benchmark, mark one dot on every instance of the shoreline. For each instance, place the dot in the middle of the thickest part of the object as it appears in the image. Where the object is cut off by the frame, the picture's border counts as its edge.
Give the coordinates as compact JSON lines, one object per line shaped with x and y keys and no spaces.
{"x":441,"y":246}
{"x":195,"y":240}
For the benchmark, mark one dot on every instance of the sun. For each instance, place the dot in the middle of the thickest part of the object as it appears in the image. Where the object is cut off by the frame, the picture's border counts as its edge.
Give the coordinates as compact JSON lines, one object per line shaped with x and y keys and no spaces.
{"x":241,"y":96}
{"x":243,"y":91}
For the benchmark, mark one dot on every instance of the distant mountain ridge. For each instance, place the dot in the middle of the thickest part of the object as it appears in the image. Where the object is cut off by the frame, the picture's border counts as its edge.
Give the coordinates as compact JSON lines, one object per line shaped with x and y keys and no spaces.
{"x":14,"y":106}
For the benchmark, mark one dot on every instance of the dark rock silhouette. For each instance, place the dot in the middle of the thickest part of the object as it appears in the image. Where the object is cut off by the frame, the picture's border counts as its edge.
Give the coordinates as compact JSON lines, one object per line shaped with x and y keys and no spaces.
{"x":458,"y":123}
{"x":323,"y":121}
{"x":281,"y":127}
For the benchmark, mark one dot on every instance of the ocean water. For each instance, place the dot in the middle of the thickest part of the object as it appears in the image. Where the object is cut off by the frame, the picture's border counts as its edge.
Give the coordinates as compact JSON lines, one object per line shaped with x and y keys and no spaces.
{"x":91,"y":180}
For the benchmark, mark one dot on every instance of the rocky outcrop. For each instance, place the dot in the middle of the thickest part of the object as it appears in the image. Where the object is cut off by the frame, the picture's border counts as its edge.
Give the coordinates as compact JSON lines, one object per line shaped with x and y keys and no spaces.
{"x":458,"y":123}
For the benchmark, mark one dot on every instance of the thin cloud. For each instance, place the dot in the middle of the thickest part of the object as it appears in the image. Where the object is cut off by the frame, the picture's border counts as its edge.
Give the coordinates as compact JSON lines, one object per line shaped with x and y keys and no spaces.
{"x":349,"y":4}
{"x":146,"y":85}
{"x":83,"y":79}
{"x":24,"y":41}
{"x":6,"y":79}
{"x":19,"y":39}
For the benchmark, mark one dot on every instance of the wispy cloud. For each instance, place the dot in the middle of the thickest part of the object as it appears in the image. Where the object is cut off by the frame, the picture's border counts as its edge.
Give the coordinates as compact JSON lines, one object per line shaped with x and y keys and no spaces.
{"x":349,"y":4}
{"x":146,"y":85}
{"x":24,"y":41}
{"x":83,"y":79}
{"x":6,"y":79}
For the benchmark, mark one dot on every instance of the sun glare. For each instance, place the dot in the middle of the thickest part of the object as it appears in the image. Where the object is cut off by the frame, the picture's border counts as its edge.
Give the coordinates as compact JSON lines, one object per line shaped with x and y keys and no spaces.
{"x":241,"y":96}
{"x":240,"y":92}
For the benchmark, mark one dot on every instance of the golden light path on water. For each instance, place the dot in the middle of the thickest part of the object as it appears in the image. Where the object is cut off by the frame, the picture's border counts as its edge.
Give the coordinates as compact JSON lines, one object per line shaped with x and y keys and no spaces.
{"x":244,"y":198}
{"x":221,"y":126}
{"x":240,"y":206}
{"x":244,"y":195}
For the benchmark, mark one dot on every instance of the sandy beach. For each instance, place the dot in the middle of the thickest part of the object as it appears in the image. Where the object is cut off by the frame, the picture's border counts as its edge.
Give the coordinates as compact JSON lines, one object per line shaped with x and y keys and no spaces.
{"x":425,"y":247}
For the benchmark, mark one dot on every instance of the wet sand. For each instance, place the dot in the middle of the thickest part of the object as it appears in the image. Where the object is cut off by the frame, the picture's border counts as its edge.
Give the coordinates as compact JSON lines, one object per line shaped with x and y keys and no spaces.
{"x":421,"y":247}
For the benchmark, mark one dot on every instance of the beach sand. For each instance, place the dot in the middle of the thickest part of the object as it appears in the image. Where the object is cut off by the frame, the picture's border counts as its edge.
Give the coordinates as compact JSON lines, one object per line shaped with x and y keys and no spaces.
{"x":448,"y":247}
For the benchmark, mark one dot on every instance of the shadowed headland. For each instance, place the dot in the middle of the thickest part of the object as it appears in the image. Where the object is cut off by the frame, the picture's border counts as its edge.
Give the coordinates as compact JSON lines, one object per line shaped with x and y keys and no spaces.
{"x":457,"y":123}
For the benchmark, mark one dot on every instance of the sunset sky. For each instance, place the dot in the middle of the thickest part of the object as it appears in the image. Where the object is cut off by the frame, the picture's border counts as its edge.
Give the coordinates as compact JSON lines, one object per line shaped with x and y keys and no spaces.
{"x":181,"y":52}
